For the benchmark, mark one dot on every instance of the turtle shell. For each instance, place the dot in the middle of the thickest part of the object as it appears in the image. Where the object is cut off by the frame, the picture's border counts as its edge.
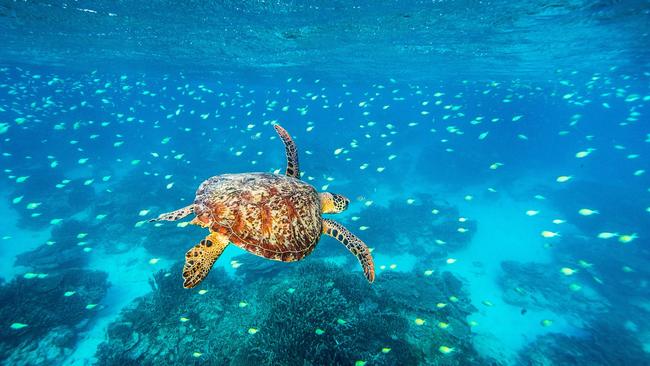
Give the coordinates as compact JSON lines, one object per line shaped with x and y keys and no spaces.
{"x":273,"y":216}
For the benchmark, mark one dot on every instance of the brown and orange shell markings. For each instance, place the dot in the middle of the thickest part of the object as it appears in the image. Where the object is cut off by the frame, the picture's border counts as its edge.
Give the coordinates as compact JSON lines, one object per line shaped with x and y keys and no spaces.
{"x":273,"y":216}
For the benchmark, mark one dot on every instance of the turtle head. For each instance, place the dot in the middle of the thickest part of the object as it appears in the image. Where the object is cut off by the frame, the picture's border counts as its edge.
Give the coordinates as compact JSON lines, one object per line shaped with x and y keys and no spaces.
{"x":333,"y":203}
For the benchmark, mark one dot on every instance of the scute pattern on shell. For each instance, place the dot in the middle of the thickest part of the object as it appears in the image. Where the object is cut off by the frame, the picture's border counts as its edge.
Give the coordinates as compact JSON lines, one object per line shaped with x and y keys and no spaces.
{"x":270,"y":215}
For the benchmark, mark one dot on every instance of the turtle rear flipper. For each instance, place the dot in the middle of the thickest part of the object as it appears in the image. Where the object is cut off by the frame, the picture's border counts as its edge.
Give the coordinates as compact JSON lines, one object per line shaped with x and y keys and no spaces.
{"x":174,"y":215}
{"x":292,"y":152}
{"x":354,"y":244}
{"x":199,"y":259}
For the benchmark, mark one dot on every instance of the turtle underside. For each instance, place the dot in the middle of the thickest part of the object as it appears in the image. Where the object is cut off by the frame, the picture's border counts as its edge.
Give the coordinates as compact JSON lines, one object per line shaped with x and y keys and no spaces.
{"x":273,"y":216}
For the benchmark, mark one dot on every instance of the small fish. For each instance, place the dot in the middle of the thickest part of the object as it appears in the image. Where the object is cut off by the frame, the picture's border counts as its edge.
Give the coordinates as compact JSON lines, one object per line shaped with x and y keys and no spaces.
{"x":587,"y":212}
{"x":445,"y":350}
{"x":575,"y":287}
{"x":607,"y":235}
{"x":33,"y":205}
{"x":627,"y":238}
{"x":17,"y":326}
{"x":563,"y":178}
{"x":419,"y":321}
{"x":319,"y":331}
{"x":568,"y":271}
{"x":549,"y":234}
{"x":252,"y":330}
{"x":546,"y":323}
{"x":585,"y":153}
{"x":585,"y":264}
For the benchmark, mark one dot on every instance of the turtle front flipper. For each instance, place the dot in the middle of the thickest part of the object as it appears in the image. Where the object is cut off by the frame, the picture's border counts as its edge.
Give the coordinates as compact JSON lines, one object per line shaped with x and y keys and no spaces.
{"x":354,"y":244}
{"x":199,"y":259}
{"x":292,"y":152}
{"x":175,"y":215}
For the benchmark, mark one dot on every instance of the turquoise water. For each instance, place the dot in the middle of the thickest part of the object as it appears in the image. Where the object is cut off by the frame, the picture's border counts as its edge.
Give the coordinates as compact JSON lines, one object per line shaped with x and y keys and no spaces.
{"x":495,"y":156}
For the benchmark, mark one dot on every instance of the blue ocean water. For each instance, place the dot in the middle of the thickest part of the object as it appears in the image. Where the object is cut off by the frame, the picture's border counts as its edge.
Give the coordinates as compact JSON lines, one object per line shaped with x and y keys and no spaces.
{"x":495,"y":156}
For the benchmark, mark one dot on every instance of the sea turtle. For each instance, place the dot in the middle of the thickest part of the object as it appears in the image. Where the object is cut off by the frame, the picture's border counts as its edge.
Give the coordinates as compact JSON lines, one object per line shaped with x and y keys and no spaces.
{"x":274,"y":216}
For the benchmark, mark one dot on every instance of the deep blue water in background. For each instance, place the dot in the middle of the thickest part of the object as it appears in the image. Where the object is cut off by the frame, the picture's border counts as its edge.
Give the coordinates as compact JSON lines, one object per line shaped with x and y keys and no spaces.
{"x":497,"y":167}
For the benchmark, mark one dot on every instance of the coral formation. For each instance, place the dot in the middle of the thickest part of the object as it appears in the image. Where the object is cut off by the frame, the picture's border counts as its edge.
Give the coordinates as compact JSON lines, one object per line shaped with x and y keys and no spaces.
{"x":604,"y":344}
{"x":311,"y":314}
{"x":42,"y":314}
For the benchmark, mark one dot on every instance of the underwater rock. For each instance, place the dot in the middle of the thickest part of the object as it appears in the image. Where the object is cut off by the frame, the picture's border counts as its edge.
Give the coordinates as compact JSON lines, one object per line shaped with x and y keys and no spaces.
{"x":543,"y":286}
{"x":65,"y":251}
{"x":312,"y":313}
{"x":53,"y":203}
{"x":122,"y":210}
{"x":254,"y":267}
{"x":430,"y":225}
{"x":618,"y":275}
{"x":51,"y":309}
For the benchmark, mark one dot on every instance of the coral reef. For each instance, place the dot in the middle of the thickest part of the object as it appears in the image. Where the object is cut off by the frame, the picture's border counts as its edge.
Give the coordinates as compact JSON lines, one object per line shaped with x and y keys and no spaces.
{"x":604,"y":344}
{"x":313,"y":313}
{"x":43,"y":313}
